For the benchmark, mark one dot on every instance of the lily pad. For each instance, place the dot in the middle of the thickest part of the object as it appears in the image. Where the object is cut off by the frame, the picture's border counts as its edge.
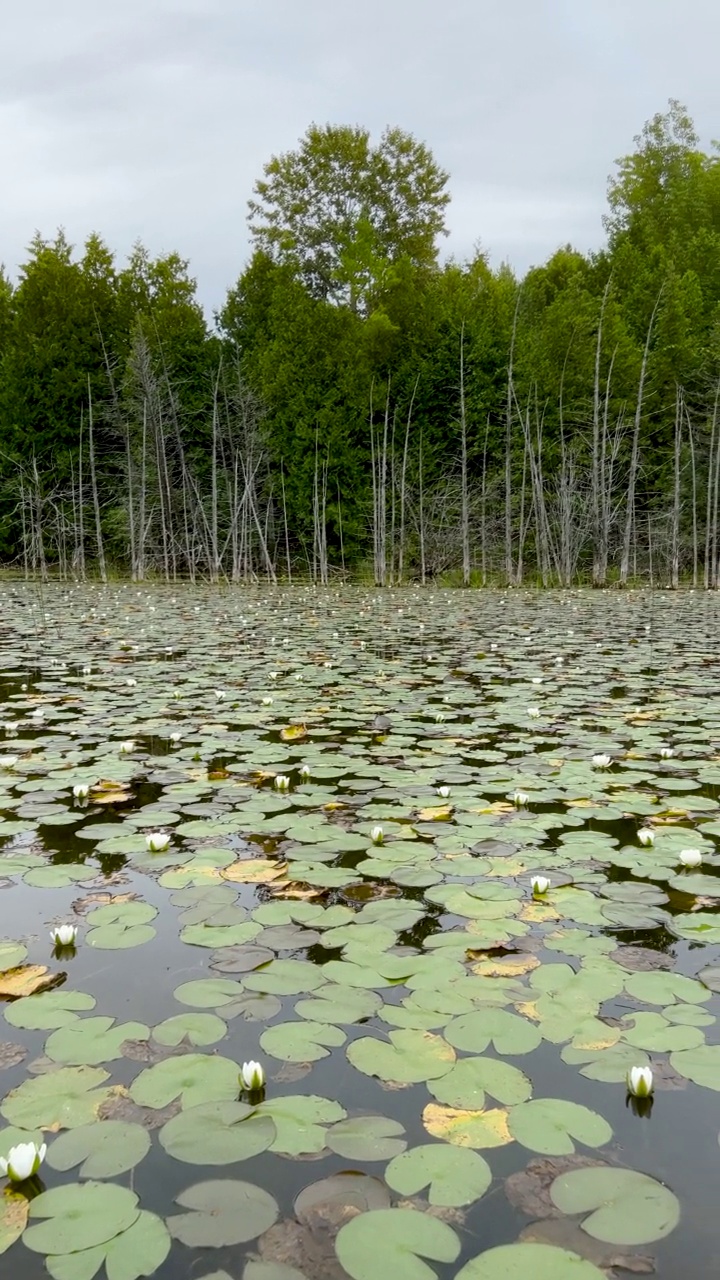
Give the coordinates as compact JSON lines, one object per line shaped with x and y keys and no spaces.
{"x":408,"y":1238}
{"x":454,"y":1176}
{"x":626,"y":1207}
{"x":222,"y":1213}
{"x":520,"y":1261}
{"x":548,"y":1125}
{"x":103,"y":1149}
{"x":79,"y":1216}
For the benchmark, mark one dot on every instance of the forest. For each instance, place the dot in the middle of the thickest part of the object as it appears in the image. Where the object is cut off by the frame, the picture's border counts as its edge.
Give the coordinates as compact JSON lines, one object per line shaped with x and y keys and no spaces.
{"x":361,"y":407}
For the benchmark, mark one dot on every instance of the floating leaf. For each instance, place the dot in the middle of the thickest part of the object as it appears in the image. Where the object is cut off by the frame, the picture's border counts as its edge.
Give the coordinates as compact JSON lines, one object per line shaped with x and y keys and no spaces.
{"x":223,"y":1213}
{"x":64,"y":1099}
{"x":629,"y":1208}
{"x":103,"y":1150}
{"x":471,"y":1078}
{"x":367,"y":1138}
{"x":195,"y":1078}
{"x":14,"y":1208}
{"x":406,"y":1237}
{"x":26,"y":979}
{"x":79,"y":1216}
{"x":90,"y":1041}
{"x":301,"y":1041}
{"x":508,"y":1033}
{"x":195,"y":1028}
{"x":454,"y":1176}
{"x":49,"y":1010}
{"x":217,"y":1133}
{"x":548,"y":1125}
{"x":479,"y":1129}
{"x":301,"y":1122}
{"x":522,"y":1261}
{"x":410,"y":1057}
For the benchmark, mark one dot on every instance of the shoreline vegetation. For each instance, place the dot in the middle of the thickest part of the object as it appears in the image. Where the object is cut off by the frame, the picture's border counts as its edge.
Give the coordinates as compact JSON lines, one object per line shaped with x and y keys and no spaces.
{"x":360,"y":410}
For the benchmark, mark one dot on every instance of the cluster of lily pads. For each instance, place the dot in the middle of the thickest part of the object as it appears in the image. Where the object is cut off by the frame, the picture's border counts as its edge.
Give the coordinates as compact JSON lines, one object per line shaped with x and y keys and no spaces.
{"x":458,"y":830}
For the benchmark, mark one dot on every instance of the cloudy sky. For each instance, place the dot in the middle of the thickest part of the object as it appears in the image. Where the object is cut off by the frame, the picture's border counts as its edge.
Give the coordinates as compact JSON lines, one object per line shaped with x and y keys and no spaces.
{"x":151,"y":119}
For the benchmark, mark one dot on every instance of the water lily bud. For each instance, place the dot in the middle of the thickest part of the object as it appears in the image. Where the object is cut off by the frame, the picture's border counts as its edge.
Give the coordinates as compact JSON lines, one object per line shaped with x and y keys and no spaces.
{"x":534,"y":713}
{"x":377,"y":835}
{"x":23,"y":1161}
{"x":443,"y":792}
{"x":64,"y":935}
{"x":220,"y":695}
{"x":690,"y":857}
{"x":282,"y":782}
{"x":640,"y":1082}
{"x":304,"y":772}
{"x":252,"y":1077}
{"x":666,"y":753}
{"x":601,"y":760}
{"x":81,"y":790}
{"x":520,"y":798}
{"x":540,"y":885}
{"x":266,"y":702}
{"x":157,"y":841}
{"x":126,"y":747}
{"x":646,"y":836}
{"x":131,"y":682}
{"x":175,"y":737}
{"x":8,"y":762}
{"x":87,"y":670}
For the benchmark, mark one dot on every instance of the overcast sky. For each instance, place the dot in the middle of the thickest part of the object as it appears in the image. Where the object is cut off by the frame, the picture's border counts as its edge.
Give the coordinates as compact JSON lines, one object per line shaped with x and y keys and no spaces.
{"x":151,"y":119}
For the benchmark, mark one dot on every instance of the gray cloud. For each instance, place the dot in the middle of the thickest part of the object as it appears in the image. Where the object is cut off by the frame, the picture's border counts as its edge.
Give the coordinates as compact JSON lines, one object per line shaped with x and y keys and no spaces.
{"x":153,"y":118}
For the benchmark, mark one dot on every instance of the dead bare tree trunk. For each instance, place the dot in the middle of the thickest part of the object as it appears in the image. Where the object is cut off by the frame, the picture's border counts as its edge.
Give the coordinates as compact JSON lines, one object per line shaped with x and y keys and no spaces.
{"x":598,"y":577}
{"x":464,"y":509}
{"x":634,"y":455}
{"x":675,"y":535}
{"x":509,"y":571}
{"x":93,"y":485}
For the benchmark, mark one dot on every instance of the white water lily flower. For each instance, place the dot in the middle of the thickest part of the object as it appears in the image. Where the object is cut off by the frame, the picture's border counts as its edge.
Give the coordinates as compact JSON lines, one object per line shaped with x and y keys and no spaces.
{"x":81,"y":790}
{"x":640,"y":1082}
{"x":646,"y":836}
{"x":266,"y":702}
{"x":540,"y":885}
{"x":443,"y":792}
{"x":304,"y":772}
{"x":536,"y":680}
{"x":666,"y":753}
{"x":690,"y":857}
{"x":252,"y":1076}
{"x":520,"y":798}
{"x":601,"y":760}
{"x":126,"y":747}
{"x":8,"y":762}
{"x":273,"y":674}
{"x":23,"y":1161}
{"x":377,"y":835}
{"x":220,"y":695}
{"x":157,"y":841}
{"x":11,"y":728}
{"x":64,"y":935}
{"x":534,"y":713}
{"x":439,"y":717}
{"x":131,"y":682}
{"x":282,"y":782}
{"x":87,"y":670}
{"x":175,"y":737}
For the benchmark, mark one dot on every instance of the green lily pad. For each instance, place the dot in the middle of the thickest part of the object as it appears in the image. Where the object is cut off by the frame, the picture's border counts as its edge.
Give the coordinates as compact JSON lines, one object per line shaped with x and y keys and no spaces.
{"x":301,"y":1122}
{"x":222,"y":1213}
{"x":410,"y":1057}
{"x":48,"y":1010}
{"x":407,"y":1237}
{"x":195,"y":1078}
{"x":102,"y":1150}
{"x":90,"y":1041}
{"x":521,"y":1261}
{"x":454,"y":1176}
{"x":194,"y":1028}
{"x":64,"y":1099}
{"x":628,"y":1208}
{"x":301,"y":1041}
{"x":79,"y":1216}
{"x":367,"y":1138}
{"x":217,"y":1133}
{"x":508,"y":1033}
{"x":468,"y":1081}
{"x":548,"y":1126}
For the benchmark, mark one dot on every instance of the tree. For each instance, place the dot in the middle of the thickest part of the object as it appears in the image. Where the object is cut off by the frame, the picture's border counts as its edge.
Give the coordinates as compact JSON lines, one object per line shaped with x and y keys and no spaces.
{"x":344,"y":212}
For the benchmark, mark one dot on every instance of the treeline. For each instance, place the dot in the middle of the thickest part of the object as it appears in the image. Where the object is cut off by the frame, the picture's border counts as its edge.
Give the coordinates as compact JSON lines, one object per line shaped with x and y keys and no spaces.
{"x":360,"y":408}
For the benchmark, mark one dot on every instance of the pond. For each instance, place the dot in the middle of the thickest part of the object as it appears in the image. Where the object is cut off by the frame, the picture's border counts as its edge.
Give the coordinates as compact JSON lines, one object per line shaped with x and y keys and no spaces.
{"x":444,"y":864}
